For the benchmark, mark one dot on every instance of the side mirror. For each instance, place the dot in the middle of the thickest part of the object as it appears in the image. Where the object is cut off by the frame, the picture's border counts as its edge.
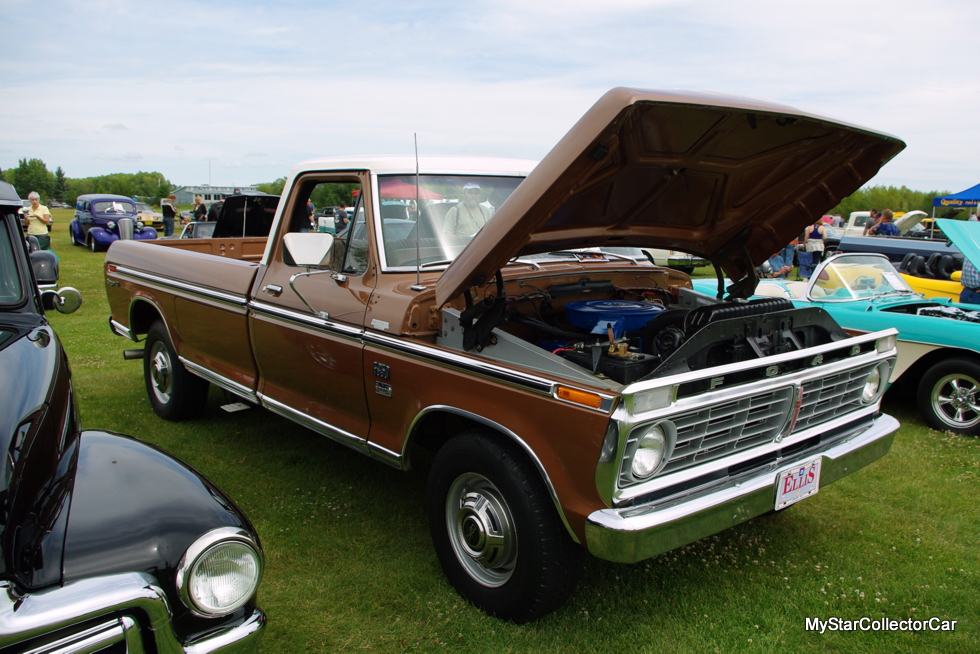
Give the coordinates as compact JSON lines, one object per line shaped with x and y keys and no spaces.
{"x":65,"y":300}
{"x":307,"y":249}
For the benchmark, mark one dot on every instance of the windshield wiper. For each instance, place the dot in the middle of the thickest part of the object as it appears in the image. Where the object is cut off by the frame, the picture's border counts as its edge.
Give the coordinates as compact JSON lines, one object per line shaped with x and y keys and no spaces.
{"x":442,"y":262}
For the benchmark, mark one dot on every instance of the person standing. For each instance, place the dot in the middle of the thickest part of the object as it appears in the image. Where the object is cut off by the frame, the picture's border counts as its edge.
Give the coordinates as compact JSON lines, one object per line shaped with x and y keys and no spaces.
{"x":468,"y":216}
{"x":38,"y":218}
{"x":200,"y":210}
{"x":340,"y":217}
{"x":970,"y":278}
{"x":872,"y":221}
{"x":169,"y":209}
{"x":814,"y":244}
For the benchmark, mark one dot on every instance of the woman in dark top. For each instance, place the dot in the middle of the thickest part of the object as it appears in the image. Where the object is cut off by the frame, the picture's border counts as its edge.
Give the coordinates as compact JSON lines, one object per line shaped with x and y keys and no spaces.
{"x":200,"y":211}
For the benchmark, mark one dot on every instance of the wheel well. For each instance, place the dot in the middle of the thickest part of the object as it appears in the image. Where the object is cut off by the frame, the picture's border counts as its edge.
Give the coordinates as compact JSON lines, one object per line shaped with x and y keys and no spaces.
{"x":914,"y":373}
{"x":435,"y":428}
{"x":141,"y":316}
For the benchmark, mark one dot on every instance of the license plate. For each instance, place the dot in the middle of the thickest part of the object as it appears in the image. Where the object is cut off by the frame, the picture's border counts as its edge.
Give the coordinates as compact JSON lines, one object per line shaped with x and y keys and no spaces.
{"x":797,"y":483}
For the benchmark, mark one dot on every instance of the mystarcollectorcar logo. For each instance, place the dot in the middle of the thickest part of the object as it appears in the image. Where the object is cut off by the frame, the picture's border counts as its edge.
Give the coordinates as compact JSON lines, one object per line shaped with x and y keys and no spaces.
{"x":879,"y":624}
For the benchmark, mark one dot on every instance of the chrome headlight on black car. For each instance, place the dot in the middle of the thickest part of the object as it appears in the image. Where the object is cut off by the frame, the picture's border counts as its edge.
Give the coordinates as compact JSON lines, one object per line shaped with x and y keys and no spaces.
{"x":219,"y":572}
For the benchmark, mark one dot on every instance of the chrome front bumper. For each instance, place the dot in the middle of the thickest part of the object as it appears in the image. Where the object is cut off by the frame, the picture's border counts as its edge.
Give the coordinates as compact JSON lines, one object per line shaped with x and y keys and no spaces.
{"x":92,"y":614}
{"x":636,"y":533}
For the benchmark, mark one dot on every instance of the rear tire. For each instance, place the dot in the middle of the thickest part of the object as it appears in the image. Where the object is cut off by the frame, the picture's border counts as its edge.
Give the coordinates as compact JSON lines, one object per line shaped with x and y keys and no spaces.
{"x":948,"y":396}
{"x":496,"y":532}
{"x":174,"y":393}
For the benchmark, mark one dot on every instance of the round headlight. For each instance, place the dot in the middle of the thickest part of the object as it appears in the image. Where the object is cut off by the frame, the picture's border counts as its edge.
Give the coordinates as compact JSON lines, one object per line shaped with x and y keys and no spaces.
{"x":650,"y":452}
{"x":874,"y":384}
{"x":139,"y":224}
{"x":219,"y":572}
{"x":111,"y":224}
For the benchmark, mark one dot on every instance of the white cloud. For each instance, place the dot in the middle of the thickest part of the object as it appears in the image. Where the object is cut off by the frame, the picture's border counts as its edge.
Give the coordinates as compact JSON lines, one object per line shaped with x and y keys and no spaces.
{"x":287,"y":82}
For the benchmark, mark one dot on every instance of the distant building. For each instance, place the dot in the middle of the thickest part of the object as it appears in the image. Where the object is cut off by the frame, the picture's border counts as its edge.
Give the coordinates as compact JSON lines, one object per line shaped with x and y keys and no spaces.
{"x":185,"y":194}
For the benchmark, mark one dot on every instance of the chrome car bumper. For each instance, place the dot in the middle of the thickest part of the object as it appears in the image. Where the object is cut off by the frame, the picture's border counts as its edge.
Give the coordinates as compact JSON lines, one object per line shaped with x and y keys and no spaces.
{"x":92,"y":614}
{"x":636,"y":533}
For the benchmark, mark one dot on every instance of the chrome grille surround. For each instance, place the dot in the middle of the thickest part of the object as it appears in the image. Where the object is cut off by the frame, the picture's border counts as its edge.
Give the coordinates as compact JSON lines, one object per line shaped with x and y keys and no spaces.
{"x":727,"y":426}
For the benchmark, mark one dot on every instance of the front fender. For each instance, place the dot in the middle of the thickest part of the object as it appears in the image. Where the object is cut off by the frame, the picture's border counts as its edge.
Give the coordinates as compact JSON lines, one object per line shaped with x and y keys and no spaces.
{"x":102,"y":236}
{"x":136,"y":508}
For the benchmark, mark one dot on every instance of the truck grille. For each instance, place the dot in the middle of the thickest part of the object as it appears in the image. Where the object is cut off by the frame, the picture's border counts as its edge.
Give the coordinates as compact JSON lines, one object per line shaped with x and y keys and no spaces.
{"x":719,"y":430}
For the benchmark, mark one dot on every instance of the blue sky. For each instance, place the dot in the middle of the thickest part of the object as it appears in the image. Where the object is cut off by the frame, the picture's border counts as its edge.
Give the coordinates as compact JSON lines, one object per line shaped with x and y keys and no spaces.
{"x":238,"y":92}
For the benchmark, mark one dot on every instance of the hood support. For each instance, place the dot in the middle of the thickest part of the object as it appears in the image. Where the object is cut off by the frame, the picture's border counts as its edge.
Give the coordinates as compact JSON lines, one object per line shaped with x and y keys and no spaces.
{"x":479,"y":320}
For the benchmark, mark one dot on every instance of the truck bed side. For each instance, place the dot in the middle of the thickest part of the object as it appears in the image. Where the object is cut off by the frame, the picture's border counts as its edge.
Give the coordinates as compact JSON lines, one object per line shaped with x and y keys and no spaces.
{"x":202,"y":299}
{"x":249,"y":248}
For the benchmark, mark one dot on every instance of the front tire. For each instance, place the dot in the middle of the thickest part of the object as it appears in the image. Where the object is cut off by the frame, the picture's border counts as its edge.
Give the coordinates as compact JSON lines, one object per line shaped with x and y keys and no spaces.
{"x":92,"y":245}
{"x":174,"y":393}
{"x":496,"y":532}
{"x":948,"y":396}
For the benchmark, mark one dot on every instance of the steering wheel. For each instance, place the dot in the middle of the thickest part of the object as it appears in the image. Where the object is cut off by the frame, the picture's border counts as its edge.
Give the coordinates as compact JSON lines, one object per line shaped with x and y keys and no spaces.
{"x":863,"y":283}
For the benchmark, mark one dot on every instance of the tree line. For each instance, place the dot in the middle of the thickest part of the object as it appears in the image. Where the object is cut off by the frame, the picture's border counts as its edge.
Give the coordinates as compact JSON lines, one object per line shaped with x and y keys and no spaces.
{"x":887,"y":197}
{"x":33,"y":175}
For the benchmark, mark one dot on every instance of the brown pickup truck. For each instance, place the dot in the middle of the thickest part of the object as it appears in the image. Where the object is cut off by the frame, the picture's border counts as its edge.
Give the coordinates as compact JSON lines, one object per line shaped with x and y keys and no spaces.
{"x":489,"y":311}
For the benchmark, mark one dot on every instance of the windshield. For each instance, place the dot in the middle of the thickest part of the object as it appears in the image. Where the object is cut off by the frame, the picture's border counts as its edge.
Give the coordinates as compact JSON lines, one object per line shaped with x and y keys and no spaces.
{"x":11,"y":287}
{"x":857,"y":277}
{"x":113,"y":207}
{"x":432,"y":223}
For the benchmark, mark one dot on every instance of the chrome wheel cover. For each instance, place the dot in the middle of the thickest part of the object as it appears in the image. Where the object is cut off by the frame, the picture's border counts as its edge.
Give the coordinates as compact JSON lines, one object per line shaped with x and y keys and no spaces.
{"x":481,"y":530}
{"x":161,"y":374}
{"x":954,"y":400}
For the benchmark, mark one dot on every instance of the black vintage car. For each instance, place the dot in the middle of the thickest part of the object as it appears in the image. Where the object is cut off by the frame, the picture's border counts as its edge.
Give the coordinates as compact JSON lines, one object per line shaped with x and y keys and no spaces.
{"x":107,"y":544}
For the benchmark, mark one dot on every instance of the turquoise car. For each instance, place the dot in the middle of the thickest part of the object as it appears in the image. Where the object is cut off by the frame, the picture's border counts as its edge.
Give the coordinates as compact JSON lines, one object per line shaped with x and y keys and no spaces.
{"x":938,"y":340}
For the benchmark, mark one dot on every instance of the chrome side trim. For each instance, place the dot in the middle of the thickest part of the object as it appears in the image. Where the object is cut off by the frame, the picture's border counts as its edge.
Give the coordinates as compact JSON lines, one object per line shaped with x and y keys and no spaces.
{"x":540,"y":385}
{"x":220,"y":380}
{"x":497,"y":427}
{"x":26,"y":616}
{"x":636,"y":533}
{"x":119,"y":329}
{"x":306,"y":319}
{"x":315,"y":424}
{"x":195,"y":289}
{"x":394,"y":459}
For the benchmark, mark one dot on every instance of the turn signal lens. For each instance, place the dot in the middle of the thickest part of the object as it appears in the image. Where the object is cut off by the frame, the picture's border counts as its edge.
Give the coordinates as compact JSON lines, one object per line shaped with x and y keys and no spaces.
{"x":591,"y":400}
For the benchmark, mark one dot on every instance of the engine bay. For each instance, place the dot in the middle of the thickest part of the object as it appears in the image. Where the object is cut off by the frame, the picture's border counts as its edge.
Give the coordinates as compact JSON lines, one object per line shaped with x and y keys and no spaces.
{"x":626,"y":334}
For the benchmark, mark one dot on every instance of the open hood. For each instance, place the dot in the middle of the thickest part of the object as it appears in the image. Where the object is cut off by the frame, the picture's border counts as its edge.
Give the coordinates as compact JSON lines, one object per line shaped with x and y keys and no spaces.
{"x":965,"y":235}
{"x":908,"y":220}
{"x":726,"y":178}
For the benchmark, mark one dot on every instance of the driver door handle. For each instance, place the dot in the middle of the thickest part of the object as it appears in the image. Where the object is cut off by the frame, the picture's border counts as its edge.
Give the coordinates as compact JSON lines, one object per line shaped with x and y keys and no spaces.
{"x":274,"y":290}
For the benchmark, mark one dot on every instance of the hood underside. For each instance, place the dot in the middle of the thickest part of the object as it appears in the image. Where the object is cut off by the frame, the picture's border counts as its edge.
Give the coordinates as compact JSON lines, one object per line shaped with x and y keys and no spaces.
{"x":965,"y":235}
{"x":726,"y":178}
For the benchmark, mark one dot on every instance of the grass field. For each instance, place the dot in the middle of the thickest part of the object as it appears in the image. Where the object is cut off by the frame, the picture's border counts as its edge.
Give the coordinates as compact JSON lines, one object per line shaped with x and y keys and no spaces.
{"x":349,"y":564}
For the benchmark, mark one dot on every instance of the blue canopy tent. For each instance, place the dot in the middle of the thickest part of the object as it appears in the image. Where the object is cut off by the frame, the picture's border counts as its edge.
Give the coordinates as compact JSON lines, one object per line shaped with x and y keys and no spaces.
{"x":969,"y":197}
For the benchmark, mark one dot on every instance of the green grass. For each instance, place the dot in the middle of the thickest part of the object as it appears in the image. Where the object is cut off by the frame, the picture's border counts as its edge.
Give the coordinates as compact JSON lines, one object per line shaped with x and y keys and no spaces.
{"x":350,"y":566}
